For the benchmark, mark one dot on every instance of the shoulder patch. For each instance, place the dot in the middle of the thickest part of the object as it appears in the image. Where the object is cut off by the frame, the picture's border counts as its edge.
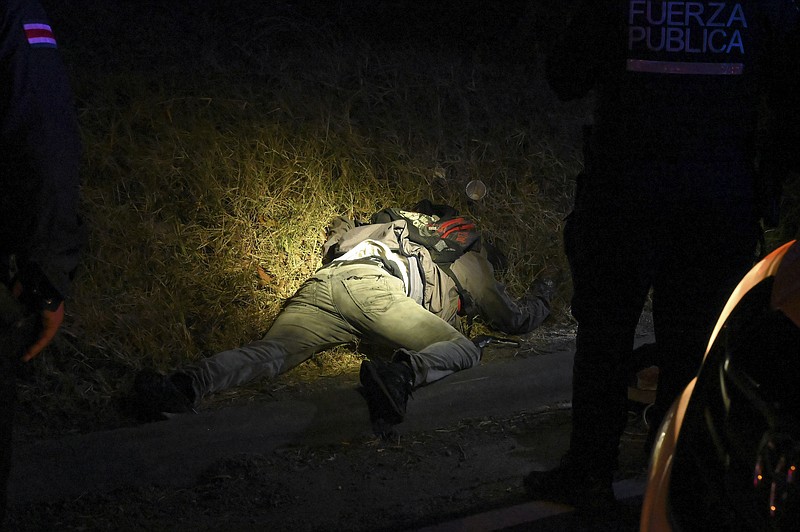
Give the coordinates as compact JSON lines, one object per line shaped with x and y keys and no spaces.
{"x":39,"y":34}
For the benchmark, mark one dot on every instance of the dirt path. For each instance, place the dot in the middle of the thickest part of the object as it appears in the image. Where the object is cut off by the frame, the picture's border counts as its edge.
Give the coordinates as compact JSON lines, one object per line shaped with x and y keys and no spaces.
{"x":420,"y":479}
{"x":427,"y":473}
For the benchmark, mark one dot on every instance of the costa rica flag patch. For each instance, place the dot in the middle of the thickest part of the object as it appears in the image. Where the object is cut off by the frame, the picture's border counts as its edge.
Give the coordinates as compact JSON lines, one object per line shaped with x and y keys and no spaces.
{"x":39,"y":34}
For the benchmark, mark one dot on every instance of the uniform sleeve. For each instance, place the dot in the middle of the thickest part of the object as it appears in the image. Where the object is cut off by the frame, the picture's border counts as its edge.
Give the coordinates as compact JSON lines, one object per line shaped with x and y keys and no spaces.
{"x":582,"y":50}
{"x":496,"y":308}
{"x":42,"y":147}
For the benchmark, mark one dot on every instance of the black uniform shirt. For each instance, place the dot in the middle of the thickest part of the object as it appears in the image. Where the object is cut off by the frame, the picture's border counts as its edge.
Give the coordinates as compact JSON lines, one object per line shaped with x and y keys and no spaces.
{"x":39,"y":147}
{"x":678,"y":88}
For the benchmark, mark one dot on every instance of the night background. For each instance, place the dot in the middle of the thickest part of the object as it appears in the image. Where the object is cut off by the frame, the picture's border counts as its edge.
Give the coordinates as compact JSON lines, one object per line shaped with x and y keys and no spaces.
{"x":220,"y":138}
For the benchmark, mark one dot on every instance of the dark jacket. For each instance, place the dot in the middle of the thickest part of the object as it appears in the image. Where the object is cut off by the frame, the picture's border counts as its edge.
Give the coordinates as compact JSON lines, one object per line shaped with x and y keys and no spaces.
{"x":678,"y":89}
{"x":39,"y":149}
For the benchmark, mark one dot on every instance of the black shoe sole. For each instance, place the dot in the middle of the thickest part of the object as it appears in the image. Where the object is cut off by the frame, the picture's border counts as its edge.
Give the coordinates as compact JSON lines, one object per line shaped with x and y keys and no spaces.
{"x":541,"y":486}
{"x":157,"y":398}
{"x":372,"y":383}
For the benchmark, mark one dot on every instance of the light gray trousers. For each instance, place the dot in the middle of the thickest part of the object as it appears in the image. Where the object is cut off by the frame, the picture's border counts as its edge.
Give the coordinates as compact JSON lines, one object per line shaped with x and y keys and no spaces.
{"x":340,"y":304}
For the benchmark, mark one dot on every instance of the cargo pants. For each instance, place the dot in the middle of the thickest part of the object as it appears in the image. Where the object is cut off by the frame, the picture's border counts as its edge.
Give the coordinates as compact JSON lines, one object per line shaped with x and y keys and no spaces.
{"x":342,"y":303}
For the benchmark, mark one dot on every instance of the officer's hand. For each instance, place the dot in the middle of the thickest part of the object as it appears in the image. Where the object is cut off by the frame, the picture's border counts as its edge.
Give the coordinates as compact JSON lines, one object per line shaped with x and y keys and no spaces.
{"x":50,"y":323}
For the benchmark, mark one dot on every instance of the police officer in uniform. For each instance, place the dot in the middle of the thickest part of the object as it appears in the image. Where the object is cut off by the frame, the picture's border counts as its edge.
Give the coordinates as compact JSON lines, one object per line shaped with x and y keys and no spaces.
{"x":40,"y":234}
{"x":668,"y":200}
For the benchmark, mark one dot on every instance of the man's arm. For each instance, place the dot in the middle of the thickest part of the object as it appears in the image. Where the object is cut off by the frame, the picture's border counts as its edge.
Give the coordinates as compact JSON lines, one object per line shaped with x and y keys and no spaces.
{"x":496,"y":308}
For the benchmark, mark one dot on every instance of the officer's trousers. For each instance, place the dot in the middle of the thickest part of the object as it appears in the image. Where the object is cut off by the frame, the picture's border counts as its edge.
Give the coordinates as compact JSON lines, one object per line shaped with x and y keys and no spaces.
{"x":690,"y":254}
{"x":15,"y":333}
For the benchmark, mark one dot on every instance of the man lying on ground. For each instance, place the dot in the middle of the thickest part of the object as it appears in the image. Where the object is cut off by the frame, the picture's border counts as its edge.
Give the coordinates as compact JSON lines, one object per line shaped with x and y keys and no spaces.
{"x":403,"y":281}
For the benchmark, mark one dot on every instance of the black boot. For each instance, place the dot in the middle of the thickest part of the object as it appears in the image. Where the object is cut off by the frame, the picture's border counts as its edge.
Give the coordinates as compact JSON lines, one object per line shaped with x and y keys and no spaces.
{"x":387,"y":387}
{"x":574,"y":483}
{"x":156,"y":394}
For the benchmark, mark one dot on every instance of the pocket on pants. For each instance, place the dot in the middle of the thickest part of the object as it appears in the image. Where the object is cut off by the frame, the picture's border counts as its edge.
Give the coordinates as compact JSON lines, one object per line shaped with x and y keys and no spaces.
{"x":372,"y":293}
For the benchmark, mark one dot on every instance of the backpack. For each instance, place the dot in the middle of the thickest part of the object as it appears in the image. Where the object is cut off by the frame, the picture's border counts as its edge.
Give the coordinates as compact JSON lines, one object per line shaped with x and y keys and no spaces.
{"x":446,"y":234}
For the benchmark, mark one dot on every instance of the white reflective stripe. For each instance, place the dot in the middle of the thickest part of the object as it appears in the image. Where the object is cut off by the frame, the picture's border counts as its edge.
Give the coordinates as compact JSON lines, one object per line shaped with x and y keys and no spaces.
{"x":677,"y":67}
{"x":416,"y":284}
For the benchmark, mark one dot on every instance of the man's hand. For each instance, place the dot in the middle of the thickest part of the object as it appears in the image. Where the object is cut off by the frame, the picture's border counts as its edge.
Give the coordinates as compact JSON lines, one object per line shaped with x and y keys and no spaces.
{"x":50,"y":323}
